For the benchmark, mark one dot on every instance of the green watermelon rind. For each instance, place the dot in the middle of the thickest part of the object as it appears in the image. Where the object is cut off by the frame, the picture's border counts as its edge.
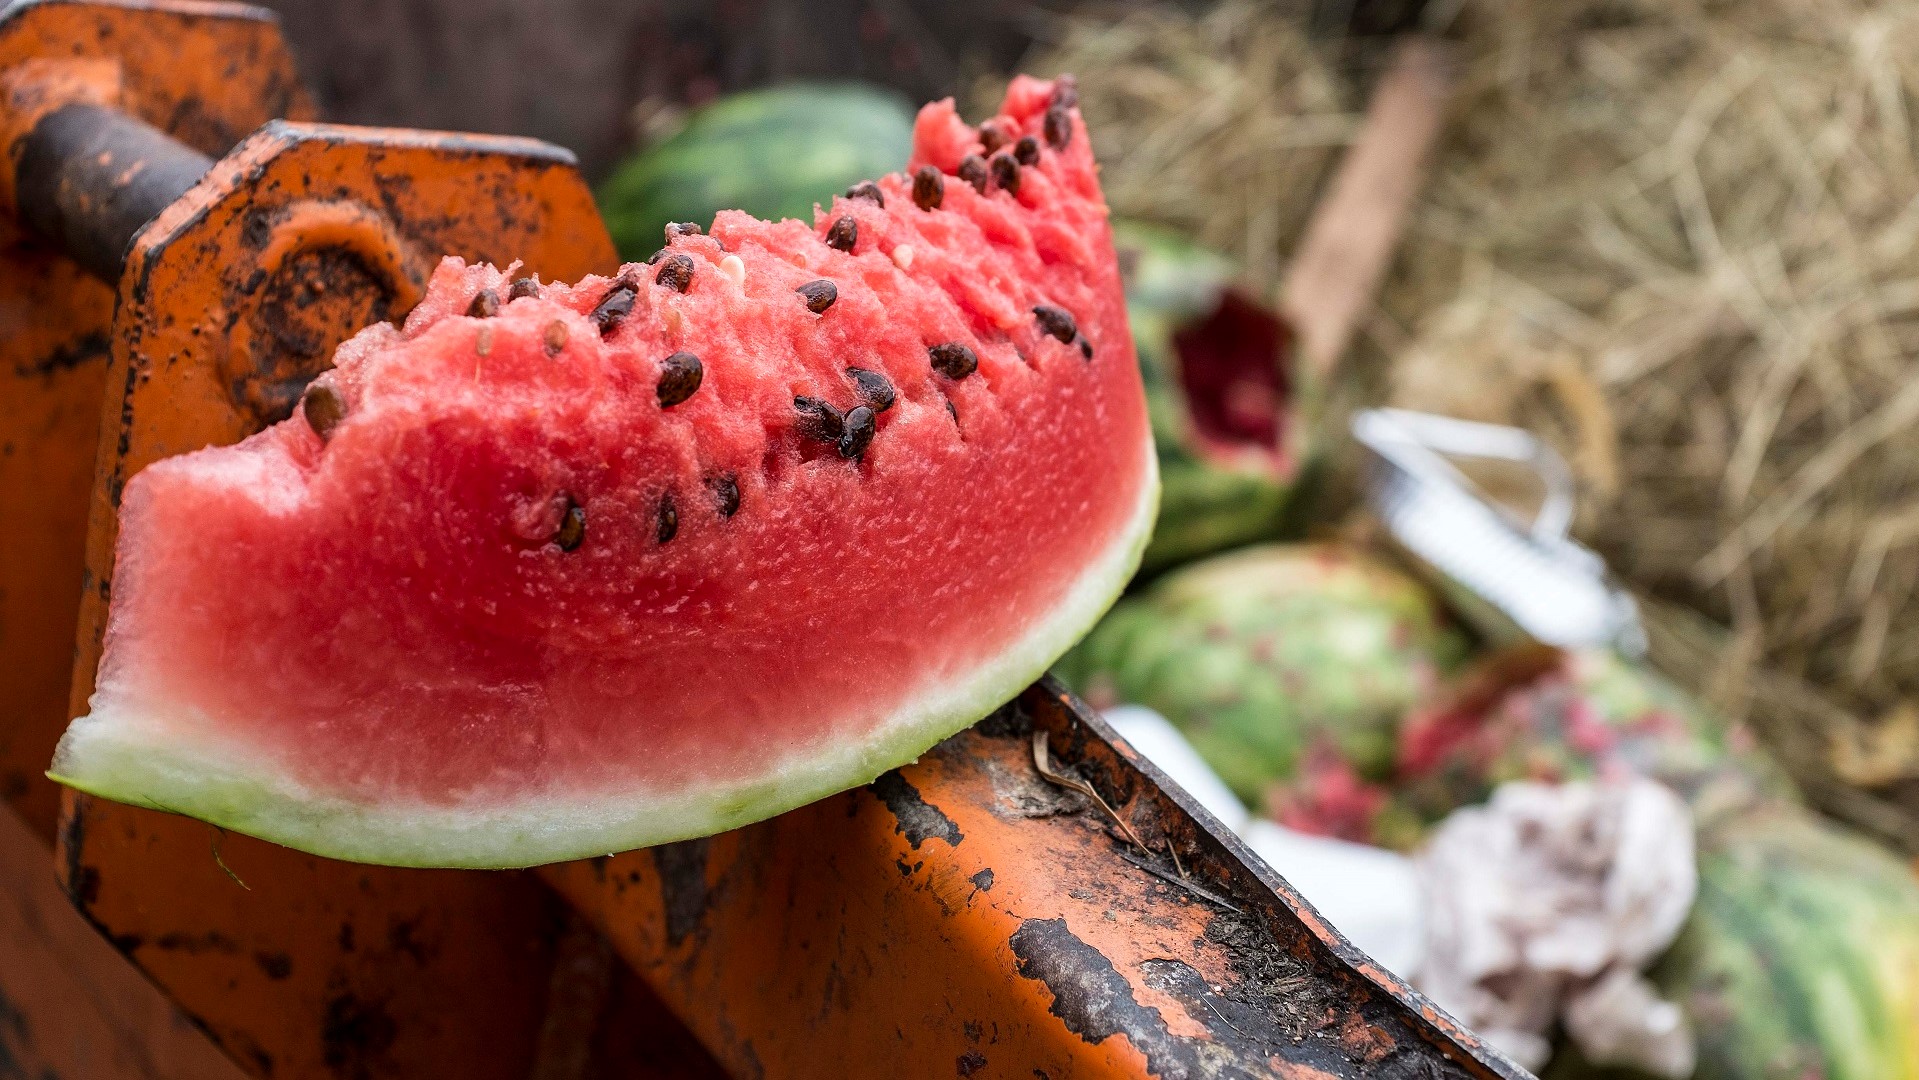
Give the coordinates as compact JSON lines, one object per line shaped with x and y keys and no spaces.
{"x":105,"y":755}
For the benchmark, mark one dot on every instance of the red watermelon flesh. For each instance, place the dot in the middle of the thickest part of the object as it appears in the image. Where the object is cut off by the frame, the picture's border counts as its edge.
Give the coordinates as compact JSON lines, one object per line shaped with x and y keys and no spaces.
{"x":512,"y":608}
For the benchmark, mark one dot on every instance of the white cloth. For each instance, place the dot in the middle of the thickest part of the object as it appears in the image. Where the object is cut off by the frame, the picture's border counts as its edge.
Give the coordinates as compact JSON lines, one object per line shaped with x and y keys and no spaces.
{"x":1546,"y":903}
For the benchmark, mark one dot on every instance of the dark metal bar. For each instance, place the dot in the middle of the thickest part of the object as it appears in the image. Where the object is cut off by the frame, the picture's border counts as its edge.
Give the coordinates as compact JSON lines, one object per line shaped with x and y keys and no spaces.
{"x":91,"y":178}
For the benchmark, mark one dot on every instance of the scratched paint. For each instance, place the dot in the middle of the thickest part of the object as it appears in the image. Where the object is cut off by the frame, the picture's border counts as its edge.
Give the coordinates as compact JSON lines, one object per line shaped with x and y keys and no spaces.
{"x":964,"y":912}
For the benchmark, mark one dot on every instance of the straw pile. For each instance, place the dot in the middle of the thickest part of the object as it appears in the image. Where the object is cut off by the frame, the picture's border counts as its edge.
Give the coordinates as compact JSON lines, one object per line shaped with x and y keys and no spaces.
{"x":1221,"y":124}
{"x":1681,"y":239}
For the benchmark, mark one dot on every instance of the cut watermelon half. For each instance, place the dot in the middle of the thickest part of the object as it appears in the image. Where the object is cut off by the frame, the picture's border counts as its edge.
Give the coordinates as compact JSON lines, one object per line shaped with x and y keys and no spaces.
{"x":560,"y":570}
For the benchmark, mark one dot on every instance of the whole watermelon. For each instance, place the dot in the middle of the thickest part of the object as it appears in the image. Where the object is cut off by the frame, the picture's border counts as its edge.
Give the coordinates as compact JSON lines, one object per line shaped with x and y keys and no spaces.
{"x":1231,"y":440}
{"x":1542,"y":714}
{"x":772,"y":153}
{"x":1273,"y":655}
{"x":1801,"y":957}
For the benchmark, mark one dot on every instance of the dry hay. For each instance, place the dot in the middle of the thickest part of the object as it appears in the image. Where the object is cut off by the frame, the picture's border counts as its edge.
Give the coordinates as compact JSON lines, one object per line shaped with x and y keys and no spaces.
{"x":1220,"y":125}
{"x":1679,"y":238}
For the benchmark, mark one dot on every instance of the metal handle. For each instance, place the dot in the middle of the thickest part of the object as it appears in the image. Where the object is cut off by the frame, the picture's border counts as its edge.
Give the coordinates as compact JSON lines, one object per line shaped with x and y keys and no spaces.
{"x":91,"y":178}
{"x":1415,"y":442}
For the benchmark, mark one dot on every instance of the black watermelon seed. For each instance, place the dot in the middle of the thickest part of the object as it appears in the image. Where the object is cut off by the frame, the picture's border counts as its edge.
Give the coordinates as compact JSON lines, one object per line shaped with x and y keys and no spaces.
{"x":680,"y":375}
{"x":972,"y":169}
{"x":323,"y":408}
{"x":1026,"y":151}
{"x":726,"y":494}
{"x":1086,"y":348}
{"x":819,"y":419}
{"x":819,"y":295}
{"x":843,"y":234}
{"x":526,"y":286}
{"x":1005,"y":172}
{"x":866,"y":189}
{"x":1065,"y":92}
{"x":873,"y":388}
{"x":485,"y":305}
{"x":676,"y":272}
{"x":555,"y":337}
{"x":858,"y":433}
{"x":613,"y":308}
{"x":953,"y":360}
{"x":572,"y":526}
{"x":1057,"y":322}
{"x":991,"y":138}
{"x":677,"y":229}
{"x":1058,"y":127}
{"x":669,"y":526}
{"x":656,"y":257}
{"x":929,"y":188}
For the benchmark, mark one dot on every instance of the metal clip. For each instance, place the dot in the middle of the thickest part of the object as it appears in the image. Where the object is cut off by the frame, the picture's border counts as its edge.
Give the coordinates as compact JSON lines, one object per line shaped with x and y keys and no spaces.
{"x":1509,"y":578}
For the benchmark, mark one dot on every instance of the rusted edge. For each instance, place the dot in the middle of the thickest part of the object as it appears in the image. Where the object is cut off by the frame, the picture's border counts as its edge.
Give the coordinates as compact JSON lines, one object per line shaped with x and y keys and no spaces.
{"x":1447,"y":1035}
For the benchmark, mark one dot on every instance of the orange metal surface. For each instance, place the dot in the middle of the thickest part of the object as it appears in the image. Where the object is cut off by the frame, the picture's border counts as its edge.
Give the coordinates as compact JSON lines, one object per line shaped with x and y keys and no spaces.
{"x":299,"y":966}
{"x":206,"y":73}
{"x":964,"y":916}
{"x":72,"y":1007}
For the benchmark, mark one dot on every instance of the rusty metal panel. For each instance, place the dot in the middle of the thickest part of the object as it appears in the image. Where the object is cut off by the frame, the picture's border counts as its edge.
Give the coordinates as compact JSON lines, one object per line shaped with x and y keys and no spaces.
{"x":207,"y":74}
{"x":70,"y":1006}
{"x":232,"y":298}
{"x":966,"y":915}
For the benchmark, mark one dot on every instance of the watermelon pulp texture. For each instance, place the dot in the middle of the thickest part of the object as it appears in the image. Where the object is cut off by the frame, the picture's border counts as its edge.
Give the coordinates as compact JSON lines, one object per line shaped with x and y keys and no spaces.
{"x":515,"y":607}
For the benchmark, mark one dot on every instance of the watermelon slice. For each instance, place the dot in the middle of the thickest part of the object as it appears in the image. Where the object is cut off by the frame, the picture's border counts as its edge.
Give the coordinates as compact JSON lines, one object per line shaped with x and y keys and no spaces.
{"x":559,"y":570}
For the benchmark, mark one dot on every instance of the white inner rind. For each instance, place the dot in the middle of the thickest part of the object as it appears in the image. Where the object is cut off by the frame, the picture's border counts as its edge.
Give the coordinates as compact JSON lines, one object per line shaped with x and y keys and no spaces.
{"x":122,"y":754}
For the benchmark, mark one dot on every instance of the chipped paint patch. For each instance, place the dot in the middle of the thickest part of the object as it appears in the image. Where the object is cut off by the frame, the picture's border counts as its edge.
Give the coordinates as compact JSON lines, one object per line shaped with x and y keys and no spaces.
{"x":1094,"y":1000}
{"x":918,"y":820}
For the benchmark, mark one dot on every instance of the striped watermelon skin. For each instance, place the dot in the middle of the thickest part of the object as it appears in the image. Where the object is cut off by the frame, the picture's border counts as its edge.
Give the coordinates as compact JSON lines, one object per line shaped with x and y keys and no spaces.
{"x":770,"y":153}
{"x":1801,"y":957}
{"x":1267,"y":655}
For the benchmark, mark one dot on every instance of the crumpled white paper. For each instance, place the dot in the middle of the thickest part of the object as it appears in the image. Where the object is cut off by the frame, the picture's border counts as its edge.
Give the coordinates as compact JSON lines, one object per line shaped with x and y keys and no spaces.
{"x":1546,"y":903}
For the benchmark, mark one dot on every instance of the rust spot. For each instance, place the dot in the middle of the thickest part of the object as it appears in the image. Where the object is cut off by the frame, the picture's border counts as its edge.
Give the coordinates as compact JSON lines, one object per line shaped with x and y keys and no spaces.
{"x":83,"y":881}
{"x":918,"y":819}
{"x":87,"y":349}
{"x":683,"y":891}
{"x":983,"y":881}
{"x":1094,"y":1000}
{"x":276,"y":965}
{"x":970,"y":1062}
{"x":403,"y":938}
{"x":355,"y":1037}
{"x":195,"y":944}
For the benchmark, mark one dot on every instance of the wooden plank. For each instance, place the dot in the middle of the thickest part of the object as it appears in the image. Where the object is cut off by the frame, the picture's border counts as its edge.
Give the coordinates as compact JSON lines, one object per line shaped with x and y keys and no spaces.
{"x":1354,"y":232}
